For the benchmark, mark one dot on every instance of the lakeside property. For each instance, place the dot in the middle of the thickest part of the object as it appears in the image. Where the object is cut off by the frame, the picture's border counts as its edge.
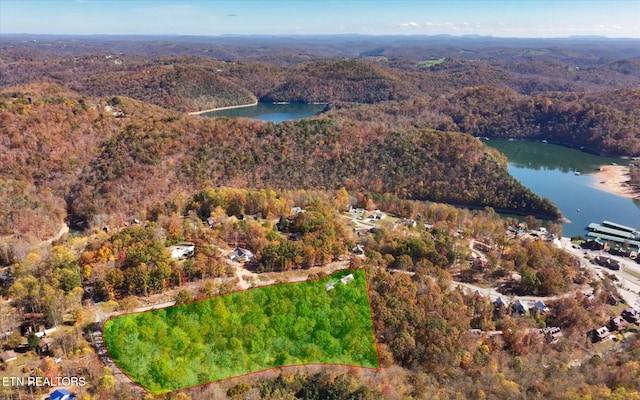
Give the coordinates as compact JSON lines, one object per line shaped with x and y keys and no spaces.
{"x":550,"y":171}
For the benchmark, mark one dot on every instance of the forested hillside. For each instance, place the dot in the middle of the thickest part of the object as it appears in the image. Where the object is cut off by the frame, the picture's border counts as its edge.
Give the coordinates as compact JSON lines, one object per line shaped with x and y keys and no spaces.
{"x":177,"y":87}
{"x":604,"y":123}
{"x":537,"y":95}
{"x":135,"y":156}
{"x":350,"y":81}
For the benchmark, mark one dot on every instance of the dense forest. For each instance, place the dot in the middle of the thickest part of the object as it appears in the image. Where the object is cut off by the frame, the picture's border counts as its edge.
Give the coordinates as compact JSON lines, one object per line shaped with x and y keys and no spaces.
{"x":559,"y":93}
{"x":243,"y":332}
{"x":121,"y":164}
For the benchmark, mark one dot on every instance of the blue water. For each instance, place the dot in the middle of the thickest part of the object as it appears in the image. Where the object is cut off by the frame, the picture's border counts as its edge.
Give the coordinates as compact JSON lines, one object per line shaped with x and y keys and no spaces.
{"x":271,"y":112}
{"x":549,"y":170}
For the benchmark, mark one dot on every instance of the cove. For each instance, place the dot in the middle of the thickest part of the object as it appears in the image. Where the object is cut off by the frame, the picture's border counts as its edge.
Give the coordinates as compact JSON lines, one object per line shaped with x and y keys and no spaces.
{"x":550,"y":171}
{"x":271,"y":112}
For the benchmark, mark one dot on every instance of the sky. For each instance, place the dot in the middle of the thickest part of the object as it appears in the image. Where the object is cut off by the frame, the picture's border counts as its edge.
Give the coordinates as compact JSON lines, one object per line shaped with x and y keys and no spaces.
{"x":505,"y":18}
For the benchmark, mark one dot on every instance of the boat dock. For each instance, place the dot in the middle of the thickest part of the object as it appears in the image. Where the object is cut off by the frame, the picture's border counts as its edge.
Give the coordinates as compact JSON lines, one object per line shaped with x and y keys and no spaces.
{"x":616,"y":235}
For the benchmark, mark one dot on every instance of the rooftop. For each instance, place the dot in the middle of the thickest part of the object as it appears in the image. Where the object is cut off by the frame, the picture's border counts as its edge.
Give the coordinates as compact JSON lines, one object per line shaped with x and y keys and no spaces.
{"x":618,"y":226}
{"x":612,"y":231}
{"x":613,"y":238}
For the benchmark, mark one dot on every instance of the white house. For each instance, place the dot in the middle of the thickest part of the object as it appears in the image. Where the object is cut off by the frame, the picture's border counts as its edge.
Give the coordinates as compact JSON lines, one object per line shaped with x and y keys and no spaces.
{"x":183,"y":250}
{"x":377,"y":214}
{"x":241,"y":255}
{"x":346,"y":279}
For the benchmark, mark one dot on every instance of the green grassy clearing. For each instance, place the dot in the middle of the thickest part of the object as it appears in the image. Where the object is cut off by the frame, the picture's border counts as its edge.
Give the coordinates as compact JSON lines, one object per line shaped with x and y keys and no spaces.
{"x":239,"y":333}
{"x":430,"y":63}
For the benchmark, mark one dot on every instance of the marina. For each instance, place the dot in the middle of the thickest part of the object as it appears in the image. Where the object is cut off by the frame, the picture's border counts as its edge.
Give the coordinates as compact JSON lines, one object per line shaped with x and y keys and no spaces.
{"x":622,"y":239}
{"x":549,"y":170}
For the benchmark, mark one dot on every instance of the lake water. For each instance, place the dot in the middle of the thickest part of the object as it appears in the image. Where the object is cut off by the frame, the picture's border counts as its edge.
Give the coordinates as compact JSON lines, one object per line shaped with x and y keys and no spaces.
{"x":549,"y":170}
{"x":271,"y":112}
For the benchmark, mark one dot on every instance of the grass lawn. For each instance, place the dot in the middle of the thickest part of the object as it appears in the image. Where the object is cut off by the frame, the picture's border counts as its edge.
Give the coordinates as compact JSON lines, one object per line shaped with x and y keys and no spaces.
{"x":253,"y":330}
{"x":431,"y":63}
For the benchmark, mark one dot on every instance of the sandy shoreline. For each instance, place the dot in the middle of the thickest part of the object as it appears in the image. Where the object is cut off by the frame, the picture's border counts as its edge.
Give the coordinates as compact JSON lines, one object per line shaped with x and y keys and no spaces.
{"x":255,"y":103}
{"x":613,"y":179}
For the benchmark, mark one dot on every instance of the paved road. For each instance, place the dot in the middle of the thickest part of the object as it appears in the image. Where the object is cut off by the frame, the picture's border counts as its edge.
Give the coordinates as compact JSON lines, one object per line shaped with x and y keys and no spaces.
{"x":98,"y":341}
{"x":492,"y":292}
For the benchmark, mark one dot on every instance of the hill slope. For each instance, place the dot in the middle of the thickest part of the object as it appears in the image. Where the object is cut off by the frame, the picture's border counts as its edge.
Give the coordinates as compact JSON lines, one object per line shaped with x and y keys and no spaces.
{"x":102,"y":164}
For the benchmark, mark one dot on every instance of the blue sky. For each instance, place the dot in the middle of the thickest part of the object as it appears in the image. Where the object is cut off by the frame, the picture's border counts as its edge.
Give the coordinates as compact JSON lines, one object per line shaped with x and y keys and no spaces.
{"x":506,"y":18}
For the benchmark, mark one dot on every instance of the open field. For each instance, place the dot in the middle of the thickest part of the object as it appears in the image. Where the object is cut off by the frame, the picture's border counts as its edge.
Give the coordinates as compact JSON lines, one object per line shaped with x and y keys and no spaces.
{"x":239,"y":333}
{"x":431,"y":63}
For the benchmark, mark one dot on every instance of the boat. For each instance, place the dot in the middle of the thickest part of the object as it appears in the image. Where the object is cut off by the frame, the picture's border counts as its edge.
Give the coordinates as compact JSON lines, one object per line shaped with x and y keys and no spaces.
{"x":577,"y":209}
{"x":577,"y":173}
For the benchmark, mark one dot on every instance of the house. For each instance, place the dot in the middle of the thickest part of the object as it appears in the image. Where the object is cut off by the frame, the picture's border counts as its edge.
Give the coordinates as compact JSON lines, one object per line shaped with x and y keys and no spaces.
{"x":358,"y":250}
{"x":631,"y":315}
{"x":346,"y":279}
{"x":596,"y":244}
{"x":32,"y":325}
{"x":297,"y":210}
{"x":183,"y":250}
{"x":411,"y":223}
{"x":499,"y":304}
{"x":540,"y":307}
{"x":241,"y":255}
{"x":356,"y":211}
{"x":519,"y":308}
{"x":553,"y":334}
{"x":329,"y":286}
{"x":600,"y":334}
{"x":61,"y":394}
{"x":616,"y":323}
{"x":44,"y":345}
{"x":612,"y":299}
{"x":377,"y":214}
{"x":8,"y":356}
{"x":620,"y":251}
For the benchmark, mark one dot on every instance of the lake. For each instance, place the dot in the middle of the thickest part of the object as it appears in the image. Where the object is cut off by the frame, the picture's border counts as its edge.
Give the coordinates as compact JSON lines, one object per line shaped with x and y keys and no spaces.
{"x":271,"y":112}
{"x":549,"y":170}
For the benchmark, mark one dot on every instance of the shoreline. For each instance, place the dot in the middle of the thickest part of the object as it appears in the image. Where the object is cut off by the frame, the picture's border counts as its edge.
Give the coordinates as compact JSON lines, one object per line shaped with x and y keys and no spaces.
{"x":614,"y":179}
{"x":255,"y":103}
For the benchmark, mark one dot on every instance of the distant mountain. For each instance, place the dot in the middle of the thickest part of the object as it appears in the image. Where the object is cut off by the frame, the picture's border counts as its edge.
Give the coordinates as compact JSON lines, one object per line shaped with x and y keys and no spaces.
{"x":351,"y":81}
{"x":174,"y":86}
